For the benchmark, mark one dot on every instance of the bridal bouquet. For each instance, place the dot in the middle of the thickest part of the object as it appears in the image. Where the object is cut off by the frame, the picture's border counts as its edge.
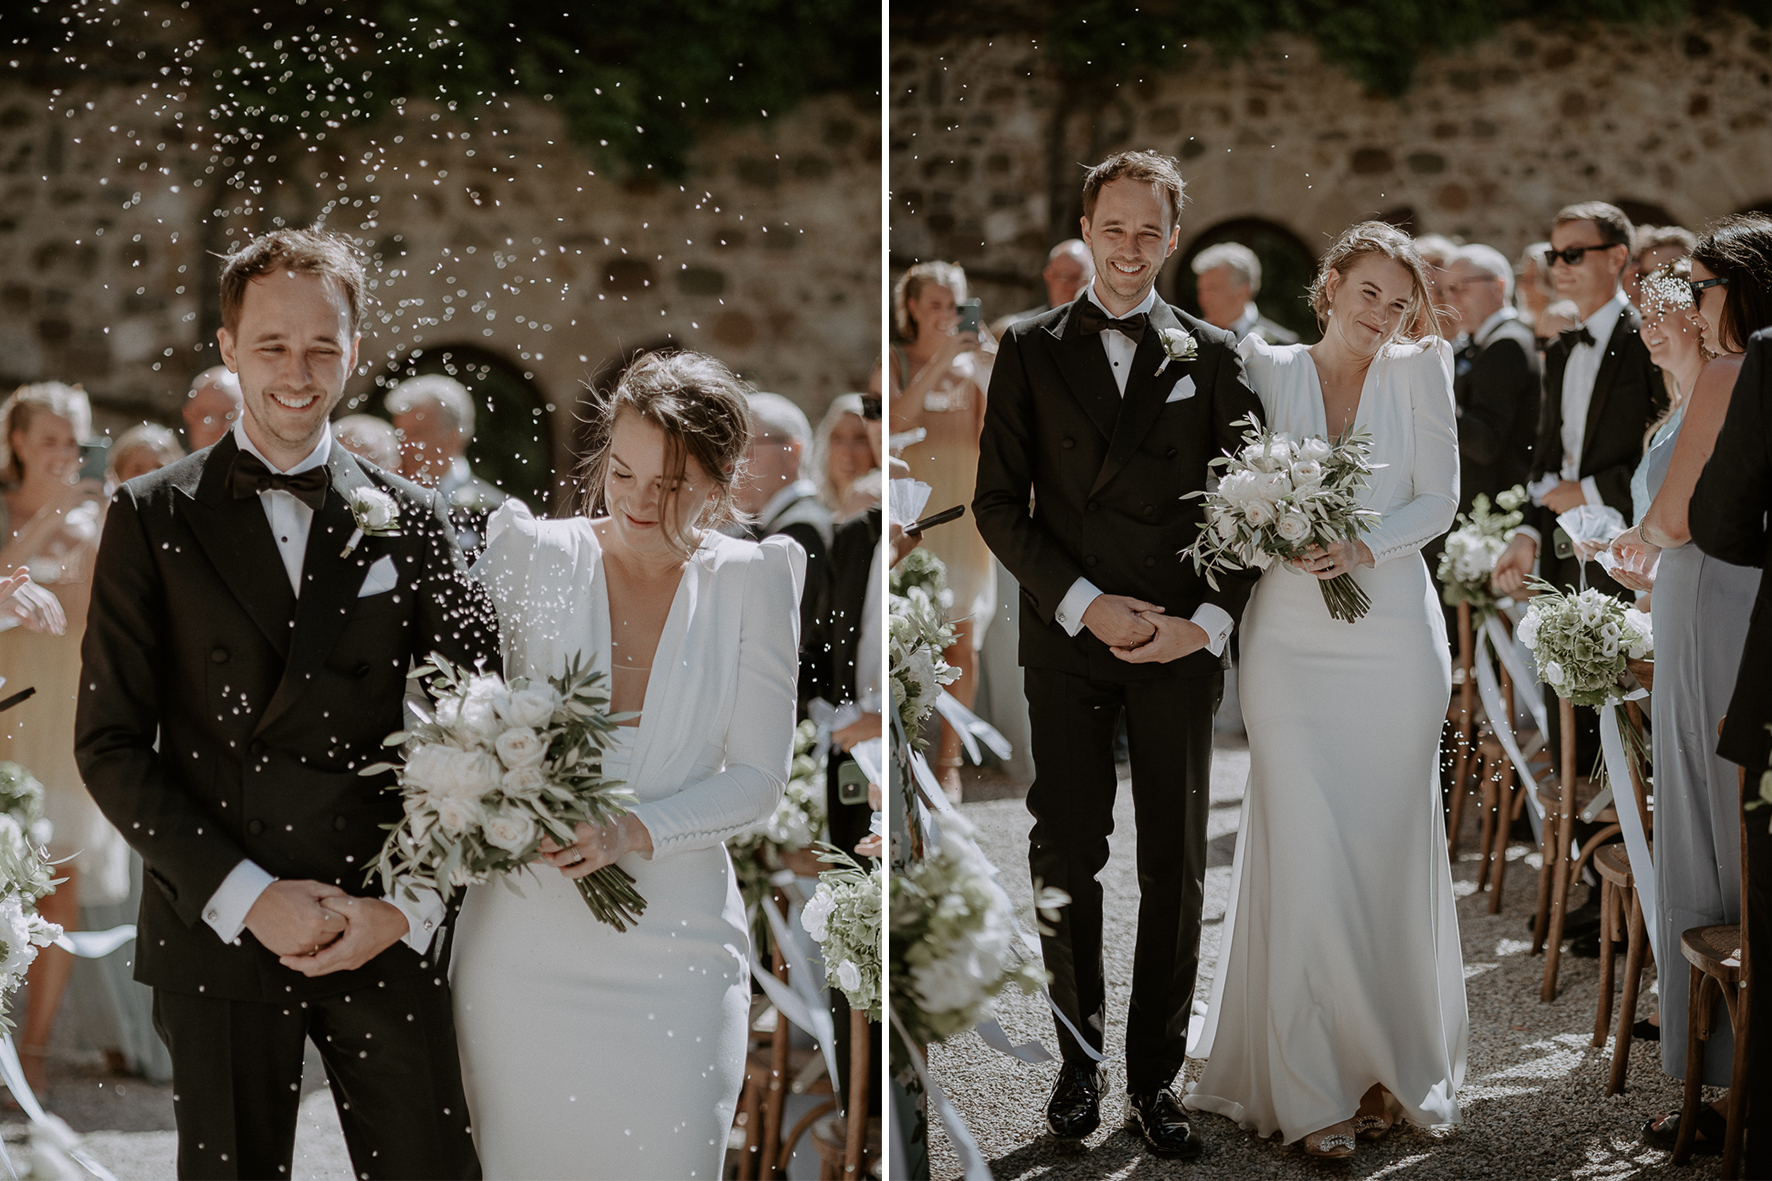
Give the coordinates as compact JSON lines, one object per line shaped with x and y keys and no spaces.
{"x":795,"y":825}
{"x":26,"y":875}
{"x":918,"y":633}
{"x":1278,"y":497}
{"x":953,"y":938}
{"x":920,"y":568}
{"x":844,"y":917}
{"x":1473,"y":548}
{"x":1581,"y":640}
{"x":492,"y":769}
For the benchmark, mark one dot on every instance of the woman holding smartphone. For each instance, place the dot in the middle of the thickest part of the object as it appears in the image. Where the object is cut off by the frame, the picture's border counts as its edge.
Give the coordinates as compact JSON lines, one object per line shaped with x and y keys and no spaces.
{"x":939,"y":375}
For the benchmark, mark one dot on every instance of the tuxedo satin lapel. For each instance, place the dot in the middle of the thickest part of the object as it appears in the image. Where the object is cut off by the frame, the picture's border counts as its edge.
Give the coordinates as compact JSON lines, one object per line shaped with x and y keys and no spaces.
{"x":1622,"y":334}
{"x":236,"y":538}
{"x":1143,"y":400}
{"x":1556,"y":364}
{"x":329,"y":583}
{"x":1084,"y":365}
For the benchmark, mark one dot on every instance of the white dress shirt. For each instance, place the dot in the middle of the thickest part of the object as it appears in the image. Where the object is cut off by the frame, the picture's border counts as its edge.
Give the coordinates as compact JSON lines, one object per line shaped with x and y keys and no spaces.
{"x":1214,"y":620}
{"x":1579,"y":374}
{"x":290,"y":519}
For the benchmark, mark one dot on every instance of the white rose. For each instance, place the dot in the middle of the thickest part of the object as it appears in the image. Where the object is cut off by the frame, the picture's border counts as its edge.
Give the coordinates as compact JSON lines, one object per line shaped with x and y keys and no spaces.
{"x":818,"y":912}
{"x":1275,"y":485}
{"x":1527,"y":632}
{"x":947,"y":985}
{"x":521,"y":747}
{"x":457,"y":814}
{"x":1237,"y":488}
{"x":533,"y":707}
{"x":373,"y":508}
{"x":1224,"y":524}
{"x":524,"y":782}
{"x":848,"y":976}
{"x":1553,"y":674}
{"x":1259,"y":513}
{"x":1307,"y":473}
{"x":431,"y":767}
{"x":468,"y":775}
{"x":510,"y":830}
{"x":1294,"y":528}
{"x":1315,"y":449}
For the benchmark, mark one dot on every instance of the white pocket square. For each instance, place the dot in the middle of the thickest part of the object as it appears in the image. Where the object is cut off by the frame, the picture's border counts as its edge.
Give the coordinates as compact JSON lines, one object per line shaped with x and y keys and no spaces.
{"x":1184,"y":389}
{"x":380,"y":579}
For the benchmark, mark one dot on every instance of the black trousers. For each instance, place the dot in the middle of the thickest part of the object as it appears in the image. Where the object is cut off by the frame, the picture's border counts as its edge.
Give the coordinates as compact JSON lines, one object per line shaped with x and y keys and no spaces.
{"x":1169,"y":733}
{"x":1757,"y":883}
{"x":390,"y":1056}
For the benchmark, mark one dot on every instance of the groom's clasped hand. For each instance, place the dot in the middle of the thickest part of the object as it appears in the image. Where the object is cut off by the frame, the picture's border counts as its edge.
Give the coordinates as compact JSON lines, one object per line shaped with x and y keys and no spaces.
{"x":317,"y":929}
{"x":1139,"y":632}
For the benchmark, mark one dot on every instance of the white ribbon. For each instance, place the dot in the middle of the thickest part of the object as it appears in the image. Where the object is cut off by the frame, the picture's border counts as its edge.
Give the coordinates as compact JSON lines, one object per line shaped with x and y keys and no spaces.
{"x":801,"y":1002}
{"x":1624,"y":789}
{"x":1489,"y":689}
{"x":965,"y":1147}
{"x":997,"y":1038}
{"x":1525,"y":681}
{"x":972,"y":729}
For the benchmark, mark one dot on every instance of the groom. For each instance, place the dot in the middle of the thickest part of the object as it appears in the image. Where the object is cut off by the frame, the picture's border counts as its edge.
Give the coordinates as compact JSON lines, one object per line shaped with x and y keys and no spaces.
{"x":245,"y":654}
{"x":1104,"y":415}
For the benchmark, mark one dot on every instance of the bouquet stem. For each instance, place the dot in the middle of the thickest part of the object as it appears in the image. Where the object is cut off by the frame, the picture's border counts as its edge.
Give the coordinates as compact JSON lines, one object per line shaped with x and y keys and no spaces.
{"x":1344,"y":598}
{"x":611,"y":895}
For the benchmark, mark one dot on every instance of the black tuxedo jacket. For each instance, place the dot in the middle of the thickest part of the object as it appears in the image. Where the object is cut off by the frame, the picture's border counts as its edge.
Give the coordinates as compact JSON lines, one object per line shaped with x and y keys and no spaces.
{"x":1498,"y":391}
{"x":264,"y":707}
{"x":1106,"y":475}
{"x":1628,"y":394}
{"x":841,"y":598}
{"x":1728,"y":521}
{"x":800,"y":521}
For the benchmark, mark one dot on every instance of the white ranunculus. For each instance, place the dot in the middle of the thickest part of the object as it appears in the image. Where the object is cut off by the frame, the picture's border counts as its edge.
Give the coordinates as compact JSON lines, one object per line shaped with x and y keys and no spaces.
{"x":467,"y":774}
{"x":1553,"y":674}
{"x":1293,"y":528}
{"x":431,"y":767}
{"x":458,"y":814}
{"x":1224,"y":524}
{"x":533,"y":707}
{"x":817,"y":912}
{"x":521,"y":747}
{"x":524,"y":783}
{"x":481,"y":704}
{"x":510,"y":829}
{"x":448,"y":712}
{"x":1237,"y":489}
{"x":948,"y":985}
{"x":848,"y":976}
{"x":1527,"y":632}
{"x":373,"y":509}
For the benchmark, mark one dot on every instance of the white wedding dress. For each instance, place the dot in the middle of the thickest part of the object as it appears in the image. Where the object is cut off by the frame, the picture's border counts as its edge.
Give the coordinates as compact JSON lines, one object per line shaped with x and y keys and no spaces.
{"x":1340,"y":965}
{"x":592,"y":1053}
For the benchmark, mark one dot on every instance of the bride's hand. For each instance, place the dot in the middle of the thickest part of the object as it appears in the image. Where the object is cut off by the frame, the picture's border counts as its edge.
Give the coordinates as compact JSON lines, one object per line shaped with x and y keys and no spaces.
{"x":1340,"y":558}
{"x":597,"y":846}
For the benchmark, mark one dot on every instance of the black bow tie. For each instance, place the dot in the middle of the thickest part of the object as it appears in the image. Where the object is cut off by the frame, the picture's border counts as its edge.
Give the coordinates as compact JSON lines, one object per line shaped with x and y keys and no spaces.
{"x":1576,"y":335}
{"x":248,"y":476}
{"x":1091,"y":319}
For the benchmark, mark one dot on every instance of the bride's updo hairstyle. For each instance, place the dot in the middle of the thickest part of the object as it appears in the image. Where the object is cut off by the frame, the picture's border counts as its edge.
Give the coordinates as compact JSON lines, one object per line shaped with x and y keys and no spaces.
{"x":700,"y":407}
{"x":1367,"y":238}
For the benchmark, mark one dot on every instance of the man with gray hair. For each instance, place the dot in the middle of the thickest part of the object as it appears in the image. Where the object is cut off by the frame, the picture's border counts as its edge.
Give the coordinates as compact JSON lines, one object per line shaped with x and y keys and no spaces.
{"x":211,"y":407}
{"x":781,"y":501}
{"x":1227,"y":278}
{"x":1498,"y":377}
{"x":1069,"y":269}
{"x":434,"y":415}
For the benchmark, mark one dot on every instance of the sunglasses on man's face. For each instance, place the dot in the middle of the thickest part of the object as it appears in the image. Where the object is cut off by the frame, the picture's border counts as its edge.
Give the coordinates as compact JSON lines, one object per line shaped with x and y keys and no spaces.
{"x":1572,"y":255}
{"x":1702,"y":285}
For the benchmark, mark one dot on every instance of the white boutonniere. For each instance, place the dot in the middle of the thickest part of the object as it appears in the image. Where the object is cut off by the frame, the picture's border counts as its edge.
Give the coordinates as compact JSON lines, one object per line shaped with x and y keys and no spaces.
{"x":376,"y":515}
{"x":1178,"y":345}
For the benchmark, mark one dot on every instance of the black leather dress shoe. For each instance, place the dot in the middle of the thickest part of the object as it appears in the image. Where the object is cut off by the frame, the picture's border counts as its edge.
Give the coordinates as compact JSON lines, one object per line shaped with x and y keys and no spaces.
{"x":1158,"y":1117}
{"x":1075,"y":1108}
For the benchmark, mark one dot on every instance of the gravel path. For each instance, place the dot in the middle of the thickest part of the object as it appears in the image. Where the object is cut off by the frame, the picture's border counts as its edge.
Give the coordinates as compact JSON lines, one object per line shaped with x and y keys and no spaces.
{"x":1534,"y":1094}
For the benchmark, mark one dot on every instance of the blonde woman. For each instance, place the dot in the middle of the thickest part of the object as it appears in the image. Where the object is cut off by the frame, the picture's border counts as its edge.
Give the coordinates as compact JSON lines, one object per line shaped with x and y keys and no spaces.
{"x":1338,"y":1002}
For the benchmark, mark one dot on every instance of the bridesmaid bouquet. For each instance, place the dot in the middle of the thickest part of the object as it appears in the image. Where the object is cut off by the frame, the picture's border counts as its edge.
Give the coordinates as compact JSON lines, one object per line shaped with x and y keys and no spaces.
{"x":758,"y":853}
{"x":844,"y":917}
{"x":1278,"y":497}
{"x":491,"y":769}
{"x":26,"y":876}
{"x":1473,"y":548}
{"x":918,"y":633}
{"x":1581,"y":640}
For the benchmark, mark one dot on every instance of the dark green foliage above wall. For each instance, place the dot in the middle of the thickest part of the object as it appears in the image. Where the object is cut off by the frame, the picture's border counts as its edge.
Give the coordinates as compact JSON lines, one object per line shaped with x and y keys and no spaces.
{"x":637,"y":82}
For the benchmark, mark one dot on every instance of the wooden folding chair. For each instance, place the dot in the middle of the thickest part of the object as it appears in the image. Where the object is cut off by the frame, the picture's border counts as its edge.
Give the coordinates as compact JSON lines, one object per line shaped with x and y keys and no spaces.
{"x":1563,"y":796}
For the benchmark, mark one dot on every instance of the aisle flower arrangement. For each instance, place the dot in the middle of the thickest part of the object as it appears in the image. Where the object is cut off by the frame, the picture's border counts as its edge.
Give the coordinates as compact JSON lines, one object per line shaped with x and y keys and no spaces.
{"x":1474,"y":546}
{"x":797,"y":823}
{"x":920,"y":568}
{"x":918,"y":633}
{"x":26,"y":876}
{"x":1581,"y":640}
{"x":843,"y":916}
{"x":1278,"y":497}
{"x":492,"y":769}
{"x":953,"y":936}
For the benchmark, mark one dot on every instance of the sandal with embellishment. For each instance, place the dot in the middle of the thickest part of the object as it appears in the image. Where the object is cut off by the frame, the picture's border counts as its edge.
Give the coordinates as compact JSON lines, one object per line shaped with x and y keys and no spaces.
{"x":1376,"y":1127}
{"x":1335,"y":1142}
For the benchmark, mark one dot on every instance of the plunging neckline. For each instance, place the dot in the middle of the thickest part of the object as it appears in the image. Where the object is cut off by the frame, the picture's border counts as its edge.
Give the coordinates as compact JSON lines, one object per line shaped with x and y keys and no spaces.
{"x":1320,"y":411}
{"x":600,"y":602}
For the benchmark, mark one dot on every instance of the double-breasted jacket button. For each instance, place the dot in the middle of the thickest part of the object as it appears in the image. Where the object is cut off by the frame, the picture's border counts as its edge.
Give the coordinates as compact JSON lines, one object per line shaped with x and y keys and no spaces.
{"x":1091,"y":506}
{"x":1068,"y":443}
{"x":338,"y":824}
{"x":218,"y":655}
{"x":1169,"y":454}
{"x":1149,"y":510}
{"x":257,"y":749}
{"x":1090,"y":560}
{"x":255,"y":827}
{"x":1149,"y":562}
{"x":361,"y":671}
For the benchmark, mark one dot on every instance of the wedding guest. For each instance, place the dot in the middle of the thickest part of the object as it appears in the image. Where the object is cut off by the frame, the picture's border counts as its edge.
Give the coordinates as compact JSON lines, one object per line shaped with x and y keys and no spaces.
{"x":1601,"y":391}
{"x":1498,"y":389}
{"x":1068,"y":270}
{"x":843,"y":467}
{"x":1702,"y":606}
{"x":1653,"y":247}
{"x":211,"y":407}
{"x":1532,"y":287}
{"x":435,"y":418}
{"x":938,"y":383}
{"x":1729,"y":521}
{"x":50,"y":520}
{"x":371,"y":438}
{"x":780,"y":501}
{"x":1227,"y":278}
{"x":140,"y":450}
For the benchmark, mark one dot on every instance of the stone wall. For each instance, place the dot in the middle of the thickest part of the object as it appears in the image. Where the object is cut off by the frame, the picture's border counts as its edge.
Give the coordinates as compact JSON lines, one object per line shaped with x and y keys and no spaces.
{"x":986,"y":144}
{"x":496,"y":233}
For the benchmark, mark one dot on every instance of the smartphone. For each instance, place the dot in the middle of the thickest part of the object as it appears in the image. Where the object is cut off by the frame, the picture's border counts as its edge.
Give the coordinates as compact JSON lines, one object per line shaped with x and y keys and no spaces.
{"x":93,"y":458}
{"x":943,"y":517}
{"x":852,"y":783}
{"x":872,"y":408}
{"x":971,"y":312}
{"x":1562,"y":545}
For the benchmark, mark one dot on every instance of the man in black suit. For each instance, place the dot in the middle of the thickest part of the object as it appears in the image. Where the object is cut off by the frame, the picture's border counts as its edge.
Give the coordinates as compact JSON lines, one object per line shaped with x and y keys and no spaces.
{"x":1090,"y":416}
{"x":245,"y":654}
{"x":1601,"y":391}
{"x":1497,"y":386}
{"x":1728,"y":521}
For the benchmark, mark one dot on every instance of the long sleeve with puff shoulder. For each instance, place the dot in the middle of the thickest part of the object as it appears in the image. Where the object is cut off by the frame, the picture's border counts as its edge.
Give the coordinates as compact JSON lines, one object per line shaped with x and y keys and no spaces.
{"x":1421,"y":502}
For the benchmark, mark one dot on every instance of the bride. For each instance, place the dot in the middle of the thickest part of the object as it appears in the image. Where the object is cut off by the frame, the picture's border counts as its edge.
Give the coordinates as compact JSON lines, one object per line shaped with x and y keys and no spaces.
{"x":587,"y":1052}
{"x":1339,"y":997}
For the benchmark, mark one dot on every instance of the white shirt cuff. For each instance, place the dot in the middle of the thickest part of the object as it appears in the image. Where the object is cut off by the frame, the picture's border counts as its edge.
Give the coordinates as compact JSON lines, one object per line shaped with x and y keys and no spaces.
{"x":227,"y":908}
{"x":1075,"y":602}
{"x":424,"y":914}
{"x":1591,"y":492}
{"x":1216,"y":622}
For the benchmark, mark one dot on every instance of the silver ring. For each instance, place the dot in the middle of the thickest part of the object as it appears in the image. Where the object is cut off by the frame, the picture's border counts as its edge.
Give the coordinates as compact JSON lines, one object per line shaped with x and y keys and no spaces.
{"x":579,"y":860}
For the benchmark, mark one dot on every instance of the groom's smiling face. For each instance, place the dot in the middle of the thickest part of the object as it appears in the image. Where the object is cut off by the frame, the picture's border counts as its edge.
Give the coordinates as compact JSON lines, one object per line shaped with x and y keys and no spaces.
{"x":1129,"y":235}
{"x":293,"y":346}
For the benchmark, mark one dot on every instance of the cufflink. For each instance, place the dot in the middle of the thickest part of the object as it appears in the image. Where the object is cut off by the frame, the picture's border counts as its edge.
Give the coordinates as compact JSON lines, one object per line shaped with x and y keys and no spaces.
{"x":213,"y":915}
{"x":427,"y":924}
